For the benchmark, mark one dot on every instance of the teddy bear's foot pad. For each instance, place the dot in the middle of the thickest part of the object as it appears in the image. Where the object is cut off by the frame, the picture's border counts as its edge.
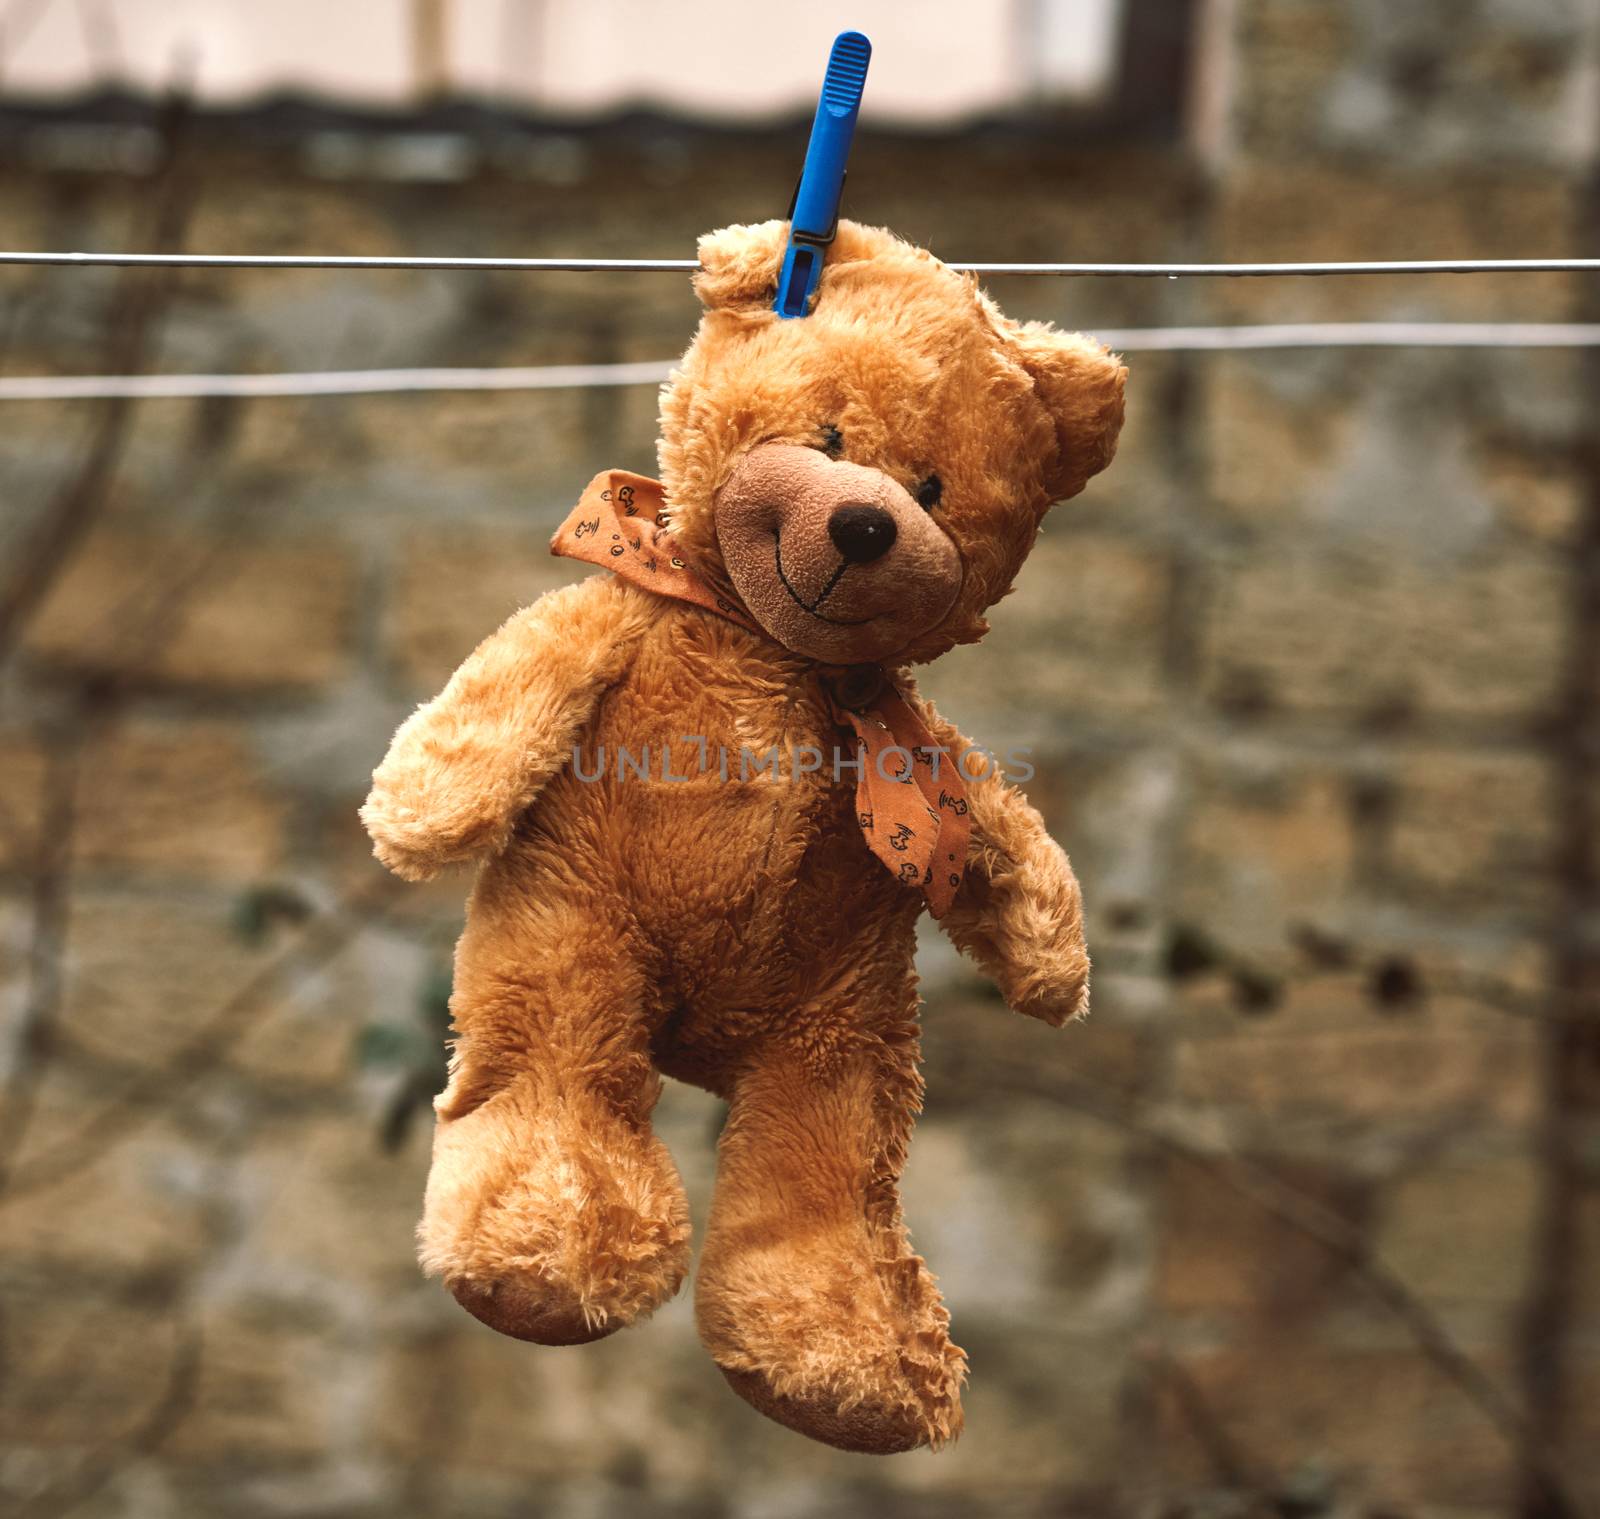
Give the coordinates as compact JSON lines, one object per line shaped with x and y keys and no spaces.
{"x":536,"y":1310}
{"x":870,"y":1427}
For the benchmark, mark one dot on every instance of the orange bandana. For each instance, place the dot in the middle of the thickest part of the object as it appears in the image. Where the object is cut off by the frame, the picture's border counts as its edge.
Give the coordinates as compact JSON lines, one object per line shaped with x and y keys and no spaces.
{"x":910,"y":801}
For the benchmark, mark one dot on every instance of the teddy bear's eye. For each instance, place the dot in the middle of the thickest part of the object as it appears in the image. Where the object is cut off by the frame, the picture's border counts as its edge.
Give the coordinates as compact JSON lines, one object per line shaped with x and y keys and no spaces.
{"x":930,"y":492}
{"x":832,"y":441}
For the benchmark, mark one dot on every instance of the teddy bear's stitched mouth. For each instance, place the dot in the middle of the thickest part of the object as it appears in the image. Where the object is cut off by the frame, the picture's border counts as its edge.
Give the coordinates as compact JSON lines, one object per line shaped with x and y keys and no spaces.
{"x":833,"y":580}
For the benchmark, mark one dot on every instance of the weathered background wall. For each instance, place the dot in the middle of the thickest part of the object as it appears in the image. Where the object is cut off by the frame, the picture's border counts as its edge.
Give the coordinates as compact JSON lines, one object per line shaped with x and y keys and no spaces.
{"x":1305,"y":1221}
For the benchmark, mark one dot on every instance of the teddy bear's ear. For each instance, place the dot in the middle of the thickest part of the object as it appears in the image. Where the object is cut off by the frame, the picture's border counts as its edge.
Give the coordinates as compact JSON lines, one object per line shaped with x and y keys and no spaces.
{"x":739,"y":265}
{"x":1080,"y":382}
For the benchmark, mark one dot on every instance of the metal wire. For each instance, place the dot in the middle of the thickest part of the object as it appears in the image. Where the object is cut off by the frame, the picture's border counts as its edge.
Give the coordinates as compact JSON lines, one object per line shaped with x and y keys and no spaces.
{"x":1260,"y":271}
{"x":337,"y":382}
{"x":689,"y":265}
{"x":1354,"y":335}
{"x":352,"y":261}
{"x":1503,"y":335}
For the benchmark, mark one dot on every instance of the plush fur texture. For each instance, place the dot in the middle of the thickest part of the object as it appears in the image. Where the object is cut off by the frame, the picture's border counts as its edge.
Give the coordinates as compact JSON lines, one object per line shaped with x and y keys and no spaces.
{"x":735,"y":932}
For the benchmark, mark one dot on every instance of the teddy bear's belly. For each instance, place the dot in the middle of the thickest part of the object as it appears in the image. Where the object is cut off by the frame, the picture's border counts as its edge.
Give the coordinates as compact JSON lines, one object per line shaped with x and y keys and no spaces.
{"x":696,"y":849}
{"x":702,"y":811}
{"x":744,"y":877}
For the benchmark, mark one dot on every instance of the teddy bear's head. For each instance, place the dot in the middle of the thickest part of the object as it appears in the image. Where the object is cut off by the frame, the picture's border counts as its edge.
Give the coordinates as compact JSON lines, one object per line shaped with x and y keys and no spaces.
{"x":868,"y":479}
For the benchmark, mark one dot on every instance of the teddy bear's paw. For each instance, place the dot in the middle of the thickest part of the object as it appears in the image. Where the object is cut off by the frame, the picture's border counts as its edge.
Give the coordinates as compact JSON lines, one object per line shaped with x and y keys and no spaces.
{"x":574,"y":1247}
{"x":1053,"y":986}
{"x":856,"y":1359}
{"x":416,"y":842}
{"x":1055,"y":1004}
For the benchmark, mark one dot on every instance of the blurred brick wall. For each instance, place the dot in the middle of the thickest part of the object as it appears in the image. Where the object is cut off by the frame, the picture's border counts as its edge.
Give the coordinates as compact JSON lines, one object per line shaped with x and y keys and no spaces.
{"x":1298,"y":675}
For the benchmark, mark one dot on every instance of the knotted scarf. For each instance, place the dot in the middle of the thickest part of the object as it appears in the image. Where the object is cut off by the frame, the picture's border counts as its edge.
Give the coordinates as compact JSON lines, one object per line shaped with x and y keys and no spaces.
{"x":910,"y":801}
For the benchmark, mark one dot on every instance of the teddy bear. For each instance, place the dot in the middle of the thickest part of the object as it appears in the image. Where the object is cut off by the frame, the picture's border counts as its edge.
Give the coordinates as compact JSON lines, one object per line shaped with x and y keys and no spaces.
{"x":708,"y":806}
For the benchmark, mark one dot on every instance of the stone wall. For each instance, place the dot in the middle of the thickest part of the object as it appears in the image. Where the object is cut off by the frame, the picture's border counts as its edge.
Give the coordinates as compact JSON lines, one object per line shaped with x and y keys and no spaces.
{"x":1303,"y":1221}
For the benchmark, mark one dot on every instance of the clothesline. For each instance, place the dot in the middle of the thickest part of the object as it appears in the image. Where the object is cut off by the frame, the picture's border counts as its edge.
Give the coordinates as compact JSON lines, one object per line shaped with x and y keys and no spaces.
{"x":1301,"y":335}
{"x":689,"y":266}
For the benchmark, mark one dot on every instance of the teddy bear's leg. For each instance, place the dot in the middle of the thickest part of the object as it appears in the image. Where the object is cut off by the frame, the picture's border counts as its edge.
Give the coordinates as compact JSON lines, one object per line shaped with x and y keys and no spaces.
{"x":552,"y":1211}
{"x":808,"y":1295}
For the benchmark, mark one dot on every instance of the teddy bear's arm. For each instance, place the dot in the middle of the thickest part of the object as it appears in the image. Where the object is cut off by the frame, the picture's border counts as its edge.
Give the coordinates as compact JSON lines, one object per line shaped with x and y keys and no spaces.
{"x":463,"y":767}
{"x":1019,"y":911}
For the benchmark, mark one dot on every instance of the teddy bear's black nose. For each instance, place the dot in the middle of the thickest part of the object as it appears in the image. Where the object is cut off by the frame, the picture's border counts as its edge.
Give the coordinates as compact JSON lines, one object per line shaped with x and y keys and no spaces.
{"x":862,"y":533}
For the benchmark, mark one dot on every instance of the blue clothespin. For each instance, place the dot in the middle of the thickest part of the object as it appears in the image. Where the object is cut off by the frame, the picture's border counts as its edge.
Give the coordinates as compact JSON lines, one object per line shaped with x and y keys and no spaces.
{"x":814,"y":216}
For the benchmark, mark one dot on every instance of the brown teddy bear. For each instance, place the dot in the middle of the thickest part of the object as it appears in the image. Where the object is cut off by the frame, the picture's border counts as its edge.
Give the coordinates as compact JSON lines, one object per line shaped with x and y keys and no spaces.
{"x":683,"y":782}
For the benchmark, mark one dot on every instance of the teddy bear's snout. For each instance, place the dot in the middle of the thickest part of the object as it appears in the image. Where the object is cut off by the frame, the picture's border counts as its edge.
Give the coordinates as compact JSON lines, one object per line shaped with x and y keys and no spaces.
{"x":834,"y":558}
{"x":861,"y":533}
